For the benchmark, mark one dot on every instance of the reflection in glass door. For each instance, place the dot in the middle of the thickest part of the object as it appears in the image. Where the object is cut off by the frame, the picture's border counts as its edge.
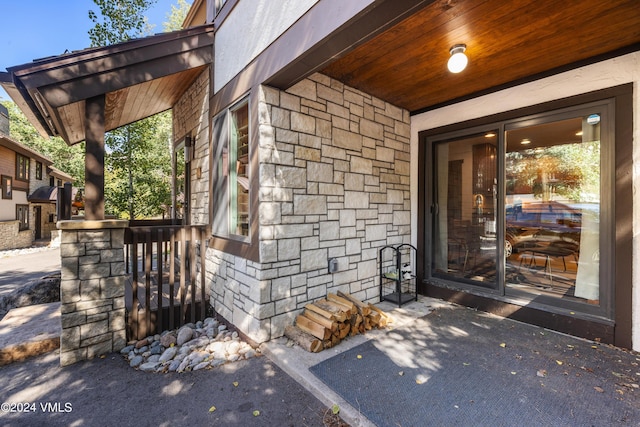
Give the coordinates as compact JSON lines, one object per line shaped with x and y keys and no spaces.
{"x":552,"y":208}
{"x":464,"y":210}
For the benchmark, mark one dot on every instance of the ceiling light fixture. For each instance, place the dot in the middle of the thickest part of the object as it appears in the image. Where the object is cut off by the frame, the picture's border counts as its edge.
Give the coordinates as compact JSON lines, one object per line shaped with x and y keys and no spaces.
{"x":458,"y":60}
{"x":525,"y":141}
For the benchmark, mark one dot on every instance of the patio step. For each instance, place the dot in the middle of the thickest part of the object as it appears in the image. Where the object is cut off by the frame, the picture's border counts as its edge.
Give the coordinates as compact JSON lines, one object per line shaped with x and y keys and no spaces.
{"x":29,"y":331}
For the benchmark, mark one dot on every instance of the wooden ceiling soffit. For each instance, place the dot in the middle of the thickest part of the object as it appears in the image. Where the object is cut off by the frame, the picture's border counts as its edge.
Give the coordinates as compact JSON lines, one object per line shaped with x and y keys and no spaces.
{"x":507,"y":43}
{"x":127,"y":105}
{"x":378,"y":17}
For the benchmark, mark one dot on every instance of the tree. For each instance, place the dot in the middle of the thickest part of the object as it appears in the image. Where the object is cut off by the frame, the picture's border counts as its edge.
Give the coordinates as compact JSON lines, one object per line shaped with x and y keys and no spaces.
{"x":119,"y":21}
{"x":138,"y":158}
{"x":138,"y":170}
{"x":176,"y":17}
{"x":69,"y":159}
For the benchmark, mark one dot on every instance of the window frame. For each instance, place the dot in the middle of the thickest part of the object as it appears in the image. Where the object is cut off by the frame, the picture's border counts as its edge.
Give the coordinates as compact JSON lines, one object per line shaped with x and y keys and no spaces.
{"x":614,"y":327}
{"x":22,"y":224}
{"x":219,"y":4}
{"x":38,"y":170}
{"x":606,"y":205}
{"x":23,"y":164}
{"x":7,"y":184}
{"x":500,"y":289}
{"x":234,"y":173}
{"x":224,"y":204}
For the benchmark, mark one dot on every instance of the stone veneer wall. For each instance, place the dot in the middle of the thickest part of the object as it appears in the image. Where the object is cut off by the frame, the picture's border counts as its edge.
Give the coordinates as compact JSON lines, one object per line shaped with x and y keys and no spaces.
{"x":12,"y":238}
{"x":334,"y":182}
{"x":190,"y":117}
{"x":91,"y":289}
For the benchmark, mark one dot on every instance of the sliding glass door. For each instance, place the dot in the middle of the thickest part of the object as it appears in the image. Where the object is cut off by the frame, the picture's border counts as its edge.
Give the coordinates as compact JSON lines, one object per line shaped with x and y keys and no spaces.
{"x":552,"y":207}
{"x":520,"y":209}
{"x":464,"y":209}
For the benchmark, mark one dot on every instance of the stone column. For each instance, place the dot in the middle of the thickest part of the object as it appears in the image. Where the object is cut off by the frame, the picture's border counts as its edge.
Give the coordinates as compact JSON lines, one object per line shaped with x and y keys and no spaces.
{"x":91,"y":289}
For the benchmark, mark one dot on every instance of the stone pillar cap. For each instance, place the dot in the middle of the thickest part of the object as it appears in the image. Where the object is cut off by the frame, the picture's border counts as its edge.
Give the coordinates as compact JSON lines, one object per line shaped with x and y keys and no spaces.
{"x":92,"y":224}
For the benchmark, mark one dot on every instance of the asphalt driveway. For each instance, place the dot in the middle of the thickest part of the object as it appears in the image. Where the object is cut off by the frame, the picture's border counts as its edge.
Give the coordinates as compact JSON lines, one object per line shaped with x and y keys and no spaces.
{"x":16,"y":270}
{"x":107,"y":392}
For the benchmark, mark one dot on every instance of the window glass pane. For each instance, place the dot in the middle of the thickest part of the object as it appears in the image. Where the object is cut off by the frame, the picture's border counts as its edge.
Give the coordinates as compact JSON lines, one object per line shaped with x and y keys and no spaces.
{"x":219,"y":4}
{"x":6,"y":187}
{"x":552,"y":208}
{"x":220,"y":223}
{"x":179,"y":162}
{"x":464,"y":228}
{"x":239,"y":171}
{"x":231,"y":172}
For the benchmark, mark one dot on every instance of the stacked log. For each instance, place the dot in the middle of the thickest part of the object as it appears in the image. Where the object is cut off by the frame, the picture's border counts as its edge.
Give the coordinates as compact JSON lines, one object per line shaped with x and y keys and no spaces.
{"x":326,"y":322}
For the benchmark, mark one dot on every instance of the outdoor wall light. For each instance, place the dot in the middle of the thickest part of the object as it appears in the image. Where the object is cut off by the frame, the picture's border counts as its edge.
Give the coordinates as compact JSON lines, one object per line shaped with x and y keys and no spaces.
{"x":458,"y":60}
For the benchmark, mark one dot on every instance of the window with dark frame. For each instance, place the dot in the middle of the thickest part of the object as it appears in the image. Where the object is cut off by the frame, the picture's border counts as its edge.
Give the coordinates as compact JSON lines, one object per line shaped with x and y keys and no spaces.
{"x":239,"y":170}
{"x":38,"y":170}
{"x":219,"y":4}
{"x":555,"y":181}
{"x":22,"y":167}
{"x":22,"y":215}
{"x":231,"y":215}
{"x":7,"y":192}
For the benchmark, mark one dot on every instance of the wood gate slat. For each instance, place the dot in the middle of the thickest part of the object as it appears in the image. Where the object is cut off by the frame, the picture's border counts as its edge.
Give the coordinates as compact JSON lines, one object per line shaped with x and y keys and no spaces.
{"x":147,"y":283}
{"x":192,"y":276}
{"x":165,"y":243}
{"x":203,"y":253}
{"x":172,"y":276}
{"x":159,"y":262}
{"x":134,"y":286}
{"x":183,"y":251}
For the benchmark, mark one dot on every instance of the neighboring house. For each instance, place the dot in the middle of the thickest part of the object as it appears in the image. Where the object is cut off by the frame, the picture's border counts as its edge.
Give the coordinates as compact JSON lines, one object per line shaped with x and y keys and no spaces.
{"x":322,"y":129}
{"x":29,"y":195}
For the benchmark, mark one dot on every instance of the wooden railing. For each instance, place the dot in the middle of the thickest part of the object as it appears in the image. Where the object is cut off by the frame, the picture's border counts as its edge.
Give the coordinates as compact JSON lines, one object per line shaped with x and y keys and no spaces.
{"x":164,"y":260}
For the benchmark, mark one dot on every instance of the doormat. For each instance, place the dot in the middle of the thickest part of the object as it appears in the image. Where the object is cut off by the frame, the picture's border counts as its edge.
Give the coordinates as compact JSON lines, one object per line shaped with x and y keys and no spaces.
{"x":463,"y":367}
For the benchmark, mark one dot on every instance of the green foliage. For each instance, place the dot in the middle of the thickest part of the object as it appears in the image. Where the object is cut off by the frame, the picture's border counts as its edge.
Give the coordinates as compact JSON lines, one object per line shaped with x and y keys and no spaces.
{"x":69,"y":159}
{"x":119,"y":21}
{"x":138,"y":168}
{"x":568,"y":170}
{"x":176,"y":17}
{"x":138,"y":157}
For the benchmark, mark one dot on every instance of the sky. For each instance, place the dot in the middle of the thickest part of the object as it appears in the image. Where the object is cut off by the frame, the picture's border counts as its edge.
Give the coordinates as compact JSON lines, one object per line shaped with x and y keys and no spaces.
{"x":33,"y":29}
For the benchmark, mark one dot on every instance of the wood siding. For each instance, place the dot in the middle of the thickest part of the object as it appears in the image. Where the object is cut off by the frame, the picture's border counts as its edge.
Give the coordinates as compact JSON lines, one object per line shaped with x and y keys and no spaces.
{"x":7,"y":162}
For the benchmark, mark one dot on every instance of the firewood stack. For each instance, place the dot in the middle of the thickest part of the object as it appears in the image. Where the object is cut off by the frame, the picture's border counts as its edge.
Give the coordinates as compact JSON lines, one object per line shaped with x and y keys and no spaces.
{"x":326,"y":322}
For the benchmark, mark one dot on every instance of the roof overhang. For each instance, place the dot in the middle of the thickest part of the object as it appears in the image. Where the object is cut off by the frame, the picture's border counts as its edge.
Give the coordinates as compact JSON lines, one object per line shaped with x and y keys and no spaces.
{"x":48,"y":194}
{"x":139,"y":78}
{"x":508,"y":43}
{"x":12,"y":145}
{"x":44,"y":194}
{"x":57,"y":173}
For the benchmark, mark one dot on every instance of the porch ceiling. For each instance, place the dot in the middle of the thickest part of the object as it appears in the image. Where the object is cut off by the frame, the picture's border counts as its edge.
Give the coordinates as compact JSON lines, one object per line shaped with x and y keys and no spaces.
{"x":508,"y":42}
{"x":139,"y":78}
